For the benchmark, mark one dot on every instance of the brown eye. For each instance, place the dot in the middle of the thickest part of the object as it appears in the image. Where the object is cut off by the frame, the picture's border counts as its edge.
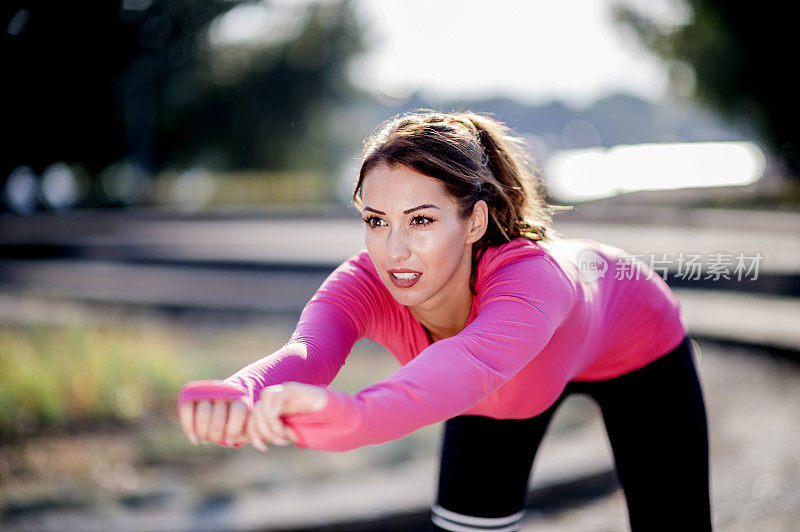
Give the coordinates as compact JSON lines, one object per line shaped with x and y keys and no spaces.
{"x":425,"y":220}
{"x":369,"y":221}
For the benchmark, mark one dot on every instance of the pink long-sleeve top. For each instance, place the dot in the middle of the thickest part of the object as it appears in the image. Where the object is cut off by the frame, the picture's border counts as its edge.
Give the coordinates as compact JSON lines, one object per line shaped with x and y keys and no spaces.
{"x":535,"y":323}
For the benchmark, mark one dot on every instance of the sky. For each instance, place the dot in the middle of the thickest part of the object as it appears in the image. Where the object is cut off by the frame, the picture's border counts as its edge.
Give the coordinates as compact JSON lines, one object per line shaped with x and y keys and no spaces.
{"x":537,"y":51}
{"x":534,"y":50}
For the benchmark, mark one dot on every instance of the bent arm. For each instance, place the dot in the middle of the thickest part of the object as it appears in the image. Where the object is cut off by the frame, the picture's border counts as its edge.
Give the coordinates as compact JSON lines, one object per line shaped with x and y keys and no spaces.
{"x":304,"y":358}
{"x":341,"y":311}
{"x":517,"y":318}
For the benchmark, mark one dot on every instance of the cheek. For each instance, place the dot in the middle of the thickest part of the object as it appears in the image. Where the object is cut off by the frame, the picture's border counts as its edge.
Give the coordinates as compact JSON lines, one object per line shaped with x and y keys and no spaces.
{"x":442,"y":251}
{"x":372,"y":240}
{"x":448,"y":243}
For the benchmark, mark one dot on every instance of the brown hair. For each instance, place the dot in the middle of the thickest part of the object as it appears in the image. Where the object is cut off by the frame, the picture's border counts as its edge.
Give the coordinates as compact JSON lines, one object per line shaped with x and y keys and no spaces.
{"x":476,"y":157}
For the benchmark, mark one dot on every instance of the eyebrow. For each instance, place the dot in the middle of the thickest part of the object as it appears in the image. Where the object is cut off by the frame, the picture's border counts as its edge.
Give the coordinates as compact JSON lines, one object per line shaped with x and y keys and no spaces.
{"x":412,"y":209}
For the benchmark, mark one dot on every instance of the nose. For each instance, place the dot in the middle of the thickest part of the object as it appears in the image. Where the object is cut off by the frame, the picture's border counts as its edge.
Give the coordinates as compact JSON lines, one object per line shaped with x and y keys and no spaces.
{"x":397,"y":248}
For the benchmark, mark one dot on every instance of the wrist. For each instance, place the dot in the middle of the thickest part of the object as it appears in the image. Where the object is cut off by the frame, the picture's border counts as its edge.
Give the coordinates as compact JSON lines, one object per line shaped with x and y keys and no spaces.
{"x":337,"y":411}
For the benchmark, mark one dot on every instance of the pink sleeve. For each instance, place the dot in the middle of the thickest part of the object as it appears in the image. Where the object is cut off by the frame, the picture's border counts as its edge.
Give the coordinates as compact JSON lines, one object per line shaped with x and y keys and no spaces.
{"x":520,"y":306}
{"x":339,"y":313}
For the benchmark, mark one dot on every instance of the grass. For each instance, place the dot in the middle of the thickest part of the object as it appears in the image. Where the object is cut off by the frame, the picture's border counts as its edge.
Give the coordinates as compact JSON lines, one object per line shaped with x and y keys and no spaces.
{"x":66,"y":375}
{"x":243,"y":187}
{"x":69,"y":381}
{"x":60,"y":382}
{"x":72,"y":375}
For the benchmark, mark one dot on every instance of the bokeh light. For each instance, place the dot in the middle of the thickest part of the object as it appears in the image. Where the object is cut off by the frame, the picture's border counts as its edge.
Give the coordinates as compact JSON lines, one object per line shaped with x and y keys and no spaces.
{"x":586,"y":174}
{"x":125,"y":183}
{"x":21,"y":190}
{"x":61,"y":187}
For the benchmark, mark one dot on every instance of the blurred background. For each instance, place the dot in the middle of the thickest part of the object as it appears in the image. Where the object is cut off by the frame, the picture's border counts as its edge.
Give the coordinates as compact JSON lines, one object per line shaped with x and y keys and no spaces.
{"x":174,"y":185}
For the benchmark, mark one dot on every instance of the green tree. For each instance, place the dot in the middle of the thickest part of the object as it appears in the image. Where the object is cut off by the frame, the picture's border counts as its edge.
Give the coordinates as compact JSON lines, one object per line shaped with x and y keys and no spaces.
{"x":741,"y":56}
{"x":265,"y":104}
{"x":96,"y":82}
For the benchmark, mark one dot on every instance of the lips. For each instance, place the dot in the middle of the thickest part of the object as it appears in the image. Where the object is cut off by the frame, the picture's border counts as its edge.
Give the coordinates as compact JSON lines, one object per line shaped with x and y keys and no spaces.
{"x":405,"y":278}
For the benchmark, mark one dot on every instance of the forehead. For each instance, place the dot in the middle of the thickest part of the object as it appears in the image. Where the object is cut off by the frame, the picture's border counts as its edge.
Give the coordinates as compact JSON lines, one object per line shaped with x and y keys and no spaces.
{"x":385,"y":181}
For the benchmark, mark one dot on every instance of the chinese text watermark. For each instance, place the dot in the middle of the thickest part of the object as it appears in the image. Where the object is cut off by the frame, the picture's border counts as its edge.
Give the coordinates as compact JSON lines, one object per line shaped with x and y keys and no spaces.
{"x":684,"y":265}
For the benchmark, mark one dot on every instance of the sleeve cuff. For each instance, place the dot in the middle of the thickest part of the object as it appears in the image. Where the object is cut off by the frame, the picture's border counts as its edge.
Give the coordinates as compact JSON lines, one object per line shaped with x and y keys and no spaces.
{"x":211,"y":390}
{"x":337,"y":411}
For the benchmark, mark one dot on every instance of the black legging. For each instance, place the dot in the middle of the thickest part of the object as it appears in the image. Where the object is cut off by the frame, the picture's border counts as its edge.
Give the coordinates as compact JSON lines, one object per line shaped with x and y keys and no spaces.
{"x":656,"y":423}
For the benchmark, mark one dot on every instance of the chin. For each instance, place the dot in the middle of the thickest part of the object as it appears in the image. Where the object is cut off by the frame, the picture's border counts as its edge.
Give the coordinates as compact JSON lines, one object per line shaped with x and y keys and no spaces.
{"x":404,"y":297}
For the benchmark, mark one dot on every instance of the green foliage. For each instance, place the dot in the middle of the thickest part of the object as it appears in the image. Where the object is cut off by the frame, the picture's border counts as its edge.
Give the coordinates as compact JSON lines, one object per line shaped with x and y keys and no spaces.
{"x":145,"y":83}
{"x":264,"y":104}
{"x":252,"y":188}
{"x":62,"y":375}
{"x":740,"y":55}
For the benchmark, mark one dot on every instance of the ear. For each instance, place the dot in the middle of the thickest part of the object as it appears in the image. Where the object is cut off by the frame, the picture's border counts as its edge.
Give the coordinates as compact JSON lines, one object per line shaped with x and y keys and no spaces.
{"x":478,"y":221}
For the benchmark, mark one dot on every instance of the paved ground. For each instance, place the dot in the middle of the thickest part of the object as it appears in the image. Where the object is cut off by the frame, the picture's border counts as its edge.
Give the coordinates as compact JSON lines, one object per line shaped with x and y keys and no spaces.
{"x":752,"y":398}
{"x":752,"y":403}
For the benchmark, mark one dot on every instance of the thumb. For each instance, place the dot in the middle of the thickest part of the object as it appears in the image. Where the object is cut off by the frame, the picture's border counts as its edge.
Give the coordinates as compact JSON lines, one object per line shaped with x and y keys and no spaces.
{"x":303,"y":398}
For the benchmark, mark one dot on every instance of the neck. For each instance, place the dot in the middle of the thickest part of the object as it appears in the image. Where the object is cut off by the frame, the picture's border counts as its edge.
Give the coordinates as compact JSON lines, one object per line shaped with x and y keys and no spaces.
{"x":445,"y":322}
{"x":448,"y":314}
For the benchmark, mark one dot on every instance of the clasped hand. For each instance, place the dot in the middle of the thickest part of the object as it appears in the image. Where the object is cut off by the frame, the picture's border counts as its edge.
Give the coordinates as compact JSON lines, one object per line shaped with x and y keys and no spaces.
{"x":231,"y":423}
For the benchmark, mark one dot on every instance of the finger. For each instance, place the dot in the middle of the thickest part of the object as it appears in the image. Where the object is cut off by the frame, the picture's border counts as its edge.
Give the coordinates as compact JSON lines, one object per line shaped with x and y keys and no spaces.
{"x":275,"y":423}
{"x":291,"y":434}
{"x":237,"y":415}
{"x":201,"y":418}
{"x":264,"y":420}
{"x":252,"y":432}
{"x":186,"y":414}
{"x":219,"y":415}
{"x":244,"y":434}
{"x":261,"y":419}
{"x":239,"y":440}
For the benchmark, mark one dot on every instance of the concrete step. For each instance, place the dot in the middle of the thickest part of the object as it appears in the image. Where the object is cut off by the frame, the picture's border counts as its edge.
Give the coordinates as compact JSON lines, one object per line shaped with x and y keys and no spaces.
{"x":303,"y":237}
{"x":754,"y":319}
{"x":757,"y":319}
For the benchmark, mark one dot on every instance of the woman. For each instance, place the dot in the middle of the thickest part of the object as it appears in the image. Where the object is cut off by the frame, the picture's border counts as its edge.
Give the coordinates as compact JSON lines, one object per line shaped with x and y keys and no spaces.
{"x":495,"y":319}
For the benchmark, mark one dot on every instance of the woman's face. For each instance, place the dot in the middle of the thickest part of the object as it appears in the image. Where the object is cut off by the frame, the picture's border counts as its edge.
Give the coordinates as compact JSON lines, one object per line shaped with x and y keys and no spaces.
{"x":413,"y":229}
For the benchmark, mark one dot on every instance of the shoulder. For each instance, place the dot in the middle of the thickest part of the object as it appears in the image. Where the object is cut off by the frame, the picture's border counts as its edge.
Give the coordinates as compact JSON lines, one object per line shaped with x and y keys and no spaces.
{"x":525,"y":271}
{"x":359,"y":265}
{"x":517,"y":248}
{"x":353,"y":290}
{"x":354,"y":278}
{"x":524,"y":263}
{"x":505,"y":256}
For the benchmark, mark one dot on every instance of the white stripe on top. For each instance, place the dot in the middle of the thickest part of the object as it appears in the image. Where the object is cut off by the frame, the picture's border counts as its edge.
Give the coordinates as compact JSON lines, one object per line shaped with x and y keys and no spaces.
{"x":454,"y":527}
{"x":476,"y":521}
